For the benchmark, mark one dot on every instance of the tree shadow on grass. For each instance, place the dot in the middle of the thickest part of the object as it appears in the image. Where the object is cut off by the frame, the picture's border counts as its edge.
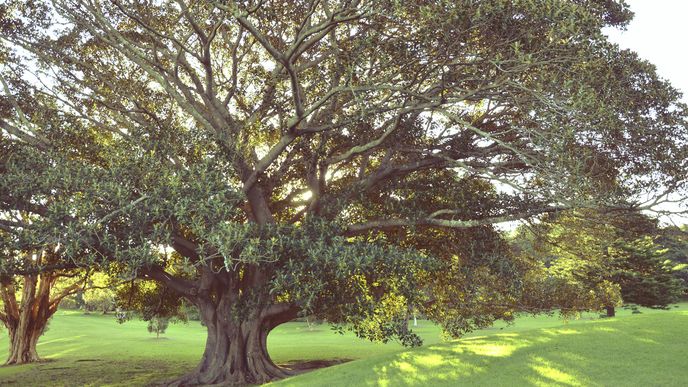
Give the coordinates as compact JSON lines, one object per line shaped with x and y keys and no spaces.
{"x":93,"y":372}
{"x":624,"y":353}
{"x":300,"y":366}
{"x":629,"y":351}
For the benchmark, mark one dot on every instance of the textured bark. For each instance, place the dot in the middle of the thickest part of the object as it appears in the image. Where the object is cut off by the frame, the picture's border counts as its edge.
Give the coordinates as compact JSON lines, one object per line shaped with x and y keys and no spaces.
{"x":238,"y":312}
{"x":27,"y":318}
{"x":611,"y":312}
{"x":235,"y":352}
{"x":23,"y":345}
{"x":236,"y":347}
{"x":26,"y":321}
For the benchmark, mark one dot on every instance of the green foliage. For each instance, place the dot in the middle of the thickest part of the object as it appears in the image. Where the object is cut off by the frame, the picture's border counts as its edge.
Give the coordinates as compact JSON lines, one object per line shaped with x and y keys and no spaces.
{"x":675,"y":241}
{"x":71,"y":302}
{"x":369,"y":285}
{"x":642,"y":270}
{"x":592,"y":260}
{"x":100,"y":295}
{"x":478,"y":280}
{"x":158,"y":325}
{"x":150,"y":300}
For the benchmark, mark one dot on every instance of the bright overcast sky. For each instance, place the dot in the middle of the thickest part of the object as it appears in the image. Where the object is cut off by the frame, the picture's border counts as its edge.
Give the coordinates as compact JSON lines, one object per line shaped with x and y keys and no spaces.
{"x":658,"y":33}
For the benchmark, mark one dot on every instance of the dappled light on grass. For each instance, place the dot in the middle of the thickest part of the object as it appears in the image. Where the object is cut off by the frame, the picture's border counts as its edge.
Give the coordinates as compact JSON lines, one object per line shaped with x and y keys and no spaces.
{"x":499,"y":350}
{"x":645,"y":340}
{"x":68,"y":345}
{"x":647,"y":349}
{"x":71,"y":349}
{"x":551,"y":372}
{"x":421,"y":369}
{"x":605,"y":329}
{"x":460,"y":360}
{"x":60,"y":340}
{"x":500,"y":345}
{"x":430,"y":360}
{"x":561,"y":331}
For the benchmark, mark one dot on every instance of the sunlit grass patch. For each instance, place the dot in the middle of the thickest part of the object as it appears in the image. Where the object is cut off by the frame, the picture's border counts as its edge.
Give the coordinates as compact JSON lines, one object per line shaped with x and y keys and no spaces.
{"x":638,"y":350}
{"x":551,"y":372}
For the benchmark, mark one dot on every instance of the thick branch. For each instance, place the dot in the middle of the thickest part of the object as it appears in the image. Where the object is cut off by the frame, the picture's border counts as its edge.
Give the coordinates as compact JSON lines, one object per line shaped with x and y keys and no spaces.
{"x":447,"y":223}
{"x":180,"y":285}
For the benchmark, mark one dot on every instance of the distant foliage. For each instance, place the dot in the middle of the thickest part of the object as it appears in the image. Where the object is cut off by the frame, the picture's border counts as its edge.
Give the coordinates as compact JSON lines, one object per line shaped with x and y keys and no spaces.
{"x":592,"y":260}
{"x":158,"y":325}
{"x":675,"y":241}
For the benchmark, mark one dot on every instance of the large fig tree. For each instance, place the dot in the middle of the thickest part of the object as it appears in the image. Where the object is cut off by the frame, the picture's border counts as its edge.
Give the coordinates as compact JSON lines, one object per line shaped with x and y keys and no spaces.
{"x":287,"y":151}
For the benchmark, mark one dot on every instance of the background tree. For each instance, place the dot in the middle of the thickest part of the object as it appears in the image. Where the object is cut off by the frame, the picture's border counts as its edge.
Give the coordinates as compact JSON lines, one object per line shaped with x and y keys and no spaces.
{"x":270,"y":143}
{"x":150,"y":300}
{"x":675,"y":240}
{"x":645,"y":274}
{"x":571,"y":282}
{"x":158,"y":325}
{"x":29,"y":300}
{"x":101,"y":295}
{"x":591,"y":250}
{"x":481,"y":280}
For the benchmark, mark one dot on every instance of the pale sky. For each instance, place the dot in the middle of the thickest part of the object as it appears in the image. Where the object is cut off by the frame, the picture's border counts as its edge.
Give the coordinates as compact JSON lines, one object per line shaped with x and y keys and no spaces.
{"x":658,"y":33}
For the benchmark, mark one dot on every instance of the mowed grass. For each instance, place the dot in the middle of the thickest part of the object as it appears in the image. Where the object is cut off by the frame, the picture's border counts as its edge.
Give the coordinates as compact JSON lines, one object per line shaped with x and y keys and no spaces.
{"x":646,"y":349}
{"x":95,"y":350}
{"x":640,"y":350}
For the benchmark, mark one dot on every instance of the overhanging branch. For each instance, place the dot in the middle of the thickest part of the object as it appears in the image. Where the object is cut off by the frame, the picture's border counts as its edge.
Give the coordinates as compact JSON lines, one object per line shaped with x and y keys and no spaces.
{"x":433,"y":221}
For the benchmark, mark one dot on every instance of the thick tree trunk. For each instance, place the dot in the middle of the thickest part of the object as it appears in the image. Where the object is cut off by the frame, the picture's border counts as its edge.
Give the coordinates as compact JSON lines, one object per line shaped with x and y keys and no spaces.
{"x":611,"y":312}
{"x":26,"y":322}
{"x":236,"y":352}
{"x":23,"y":341}
{"x":238,"y":312}
{"x":25,"y":328}
{"x":27,"y":319}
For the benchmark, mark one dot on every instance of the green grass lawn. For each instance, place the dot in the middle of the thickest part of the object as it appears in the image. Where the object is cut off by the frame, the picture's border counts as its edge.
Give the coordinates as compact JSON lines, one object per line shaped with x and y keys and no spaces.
{"x":645,"y":349}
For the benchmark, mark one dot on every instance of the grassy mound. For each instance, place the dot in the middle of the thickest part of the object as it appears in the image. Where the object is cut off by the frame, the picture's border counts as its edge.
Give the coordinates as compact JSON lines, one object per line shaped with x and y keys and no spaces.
{"x":642,"y":350}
